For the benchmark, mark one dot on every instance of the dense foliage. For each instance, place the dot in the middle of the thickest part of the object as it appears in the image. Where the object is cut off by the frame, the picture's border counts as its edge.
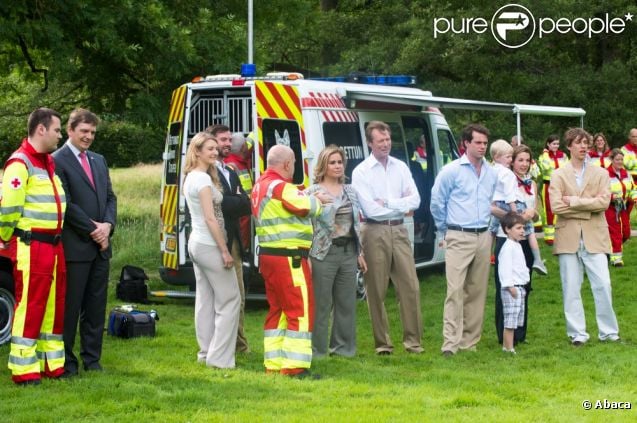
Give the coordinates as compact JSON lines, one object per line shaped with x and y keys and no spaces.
{"x":123,"y":58}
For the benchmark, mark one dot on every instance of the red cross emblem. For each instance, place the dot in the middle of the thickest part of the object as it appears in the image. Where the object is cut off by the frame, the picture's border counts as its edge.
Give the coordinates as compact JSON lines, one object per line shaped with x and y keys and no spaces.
{"x":16,"y":183}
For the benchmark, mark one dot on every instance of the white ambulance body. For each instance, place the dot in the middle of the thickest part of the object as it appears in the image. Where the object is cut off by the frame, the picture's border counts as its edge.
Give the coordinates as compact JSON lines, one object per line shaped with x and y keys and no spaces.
{"x":307,"y":115}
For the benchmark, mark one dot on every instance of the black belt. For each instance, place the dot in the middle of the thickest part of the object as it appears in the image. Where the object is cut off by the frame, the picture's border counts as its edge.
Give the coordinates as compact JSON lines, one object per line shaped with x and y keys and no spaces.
{"x":283,"y":252}
{"x":389,"y":222}
{"x":342,"y":241}
{"x":461,"y":229}
{"x":28,"y":236}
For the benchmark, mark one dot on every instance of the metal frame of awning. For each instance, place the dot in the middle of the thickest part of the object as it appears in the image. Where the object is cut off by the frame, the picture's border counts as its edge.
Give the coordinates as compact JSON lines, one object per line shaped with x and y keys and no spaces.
{"x":426,"y":99}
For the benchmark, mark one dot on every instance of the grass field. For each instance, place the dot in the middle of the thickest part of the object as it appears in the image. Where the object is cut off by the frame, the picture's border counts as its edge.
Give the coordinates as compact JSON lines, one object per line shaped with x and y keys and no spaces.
{"x":159,"y":379}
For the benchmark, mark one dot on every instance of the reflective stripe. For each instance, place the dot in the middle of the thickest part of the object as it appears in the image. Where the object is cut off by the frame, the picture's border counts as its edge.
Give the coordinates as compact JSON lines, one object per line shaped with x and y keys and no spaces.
{"x":25,"y":159}
{"x":272,"y":354}
{"x":11,"y":209}
{"x":7,"y":224}
{"x":280,"y":221}
{"x":50,"y":355}
{"x":22,"y":361}
{"x":298,"y":335}
{"x":43,"y":198}
{"x":285,"y":235}
{"x":51,"y":337}
{"x":297,"y":356}
{"x":268,"y":196}
{"x":272,"y":333}
{"x":27,"y":342}
{"x":40,"y":215}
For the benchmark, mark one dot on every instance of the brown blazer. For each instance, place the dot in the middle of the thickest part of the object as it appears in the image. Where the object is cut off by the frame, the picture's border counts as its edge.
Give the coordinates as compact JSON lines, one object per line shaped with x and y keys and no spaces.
{"x":584,"y":218}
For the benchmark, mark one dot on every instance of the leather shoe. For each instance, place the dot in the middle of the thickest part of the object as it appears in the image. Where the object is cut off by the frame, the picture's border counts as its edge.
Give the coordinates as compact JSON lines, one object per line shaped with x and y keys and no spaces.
{"x":68,"y":374}
{"x":447,"y":353}
{"x":577,"y":343}
{"x":305,"y":374}
{"x":93,"y":367}
{"x":29,"y":382}
{"x":383,"y":352}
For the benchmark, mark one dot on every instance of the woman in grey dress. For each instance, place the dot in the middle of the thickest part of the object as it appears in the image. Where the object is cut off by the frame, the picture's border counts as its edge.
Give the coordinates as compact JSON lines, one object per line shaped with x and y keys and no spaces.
{"x":336,"y":254}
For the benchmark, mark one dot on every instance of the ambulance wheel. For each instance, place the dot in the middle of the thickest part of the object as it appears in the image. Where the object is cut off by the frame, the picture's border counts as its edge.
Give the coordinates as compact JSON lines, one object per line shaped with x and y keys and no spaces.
{"x":361,"y":292}
{"x":7,"y":307}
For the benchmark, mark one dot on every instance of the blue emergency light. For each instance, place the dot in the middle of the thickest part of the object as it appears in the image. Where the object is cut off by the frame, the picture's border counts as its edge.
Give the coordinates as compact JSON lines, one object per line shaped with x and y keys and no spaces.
{"x":398,"y":80}
{"x":248,"y":70}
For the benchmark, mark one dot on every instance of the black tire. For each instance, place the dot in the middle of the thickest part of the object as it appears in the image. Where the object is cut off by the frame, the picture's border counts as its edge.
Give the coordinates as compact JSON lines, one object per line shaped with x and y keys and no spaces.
{"x":7,"y":310}
{"x":7,"y":304}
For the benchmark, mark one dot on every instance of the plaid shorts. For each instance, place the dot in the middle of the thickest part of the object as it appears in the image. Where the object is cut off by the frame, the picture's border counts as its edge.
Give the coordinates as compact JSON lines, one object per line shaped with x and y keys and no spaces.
{"x":513,"y":308}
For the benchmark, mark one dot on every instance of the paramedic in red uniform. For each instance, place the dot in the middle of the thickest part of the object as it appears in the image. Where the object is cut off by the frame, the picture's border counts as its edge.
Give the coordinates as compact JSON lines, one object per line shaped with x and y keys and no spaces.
{"x":31,"y":216}
{"x":284,"y":232}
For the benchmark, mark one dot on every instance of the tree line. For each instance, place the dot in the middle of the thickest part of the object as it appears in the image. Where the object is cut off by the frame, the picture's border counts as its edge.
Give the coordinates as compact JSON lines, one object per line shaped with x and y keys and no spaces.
{"x":122,"y":59}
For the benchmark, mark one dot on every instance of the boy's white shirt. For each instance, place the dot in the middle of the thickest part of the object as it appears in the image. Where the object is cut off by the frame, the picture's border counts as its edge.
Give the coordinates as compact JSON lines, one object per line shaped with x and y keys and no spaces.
{"x":512,"y":268}
{"x":505,"y":188}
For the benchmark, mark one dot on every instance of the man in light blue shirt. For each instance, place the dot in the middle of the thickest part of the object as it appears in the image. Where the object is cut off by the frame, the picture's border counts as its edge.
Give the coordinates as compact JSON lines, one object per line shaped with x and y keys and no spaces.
{"x":461,"y":208}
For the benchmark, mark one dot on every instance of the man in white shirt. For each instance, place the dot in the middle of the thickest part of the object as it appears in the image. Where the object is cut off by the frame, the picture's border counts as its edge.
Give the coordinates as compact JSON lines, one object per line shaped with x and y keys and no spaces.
{"x":387,"y":192}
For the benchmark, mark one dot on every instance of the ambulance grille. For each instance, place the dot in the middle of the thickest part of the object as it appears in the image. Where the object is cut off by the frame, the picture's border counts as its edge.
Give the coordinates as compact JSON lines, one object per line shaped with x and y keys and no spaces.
{"x":233,"y":111}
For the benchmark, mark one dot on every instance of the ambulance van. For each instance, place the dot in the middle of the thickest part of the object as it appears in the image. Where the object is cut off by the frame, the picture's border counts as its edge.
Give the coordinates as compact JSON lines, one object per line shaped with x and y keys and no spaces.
{"x":306,"y":115}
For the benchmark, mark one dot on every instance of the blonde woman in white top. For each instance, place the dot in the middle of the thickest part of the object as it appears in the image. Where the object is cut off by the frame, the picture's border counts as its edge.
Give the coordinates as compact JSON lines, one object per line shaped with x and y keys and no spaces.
{"x":217,"y":297}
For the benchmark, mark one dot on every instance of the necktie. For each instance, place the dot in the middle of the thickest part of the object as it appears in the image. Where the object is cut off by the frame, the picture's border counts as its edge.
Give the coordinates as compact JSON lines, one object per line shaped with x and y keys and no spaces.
{"x":86,"y":167}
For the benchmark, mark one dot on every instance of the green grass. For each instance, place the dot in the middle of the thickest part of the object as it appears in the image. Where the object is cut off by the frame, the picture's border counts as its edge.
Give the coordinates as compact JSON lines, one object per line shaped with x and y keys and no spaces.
{"x":159,"y":379}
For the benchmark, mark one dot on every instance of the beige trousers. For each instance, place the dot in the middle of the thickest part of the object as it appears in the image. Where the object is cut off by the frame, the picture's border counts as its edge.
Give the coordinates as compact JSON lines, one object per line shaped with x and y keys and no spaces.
{"x":388,"y":254}
{"x":242,"y":341}
{"x":467,"y":266}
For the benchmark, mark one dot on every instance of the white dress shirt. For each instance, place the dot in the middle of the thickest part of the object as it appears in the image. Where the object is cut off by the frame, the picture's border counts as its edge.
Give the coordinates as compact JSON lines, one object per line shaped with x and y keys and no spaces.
{"x":393,"y":184}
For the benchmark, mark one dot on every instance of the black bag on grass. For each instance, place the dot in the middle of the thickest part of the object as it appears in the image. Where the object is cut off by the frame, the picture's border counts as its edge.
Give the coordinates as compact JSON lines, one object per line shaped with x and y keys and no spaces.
{"x":132,"y":285}
{"x":131,"y":323}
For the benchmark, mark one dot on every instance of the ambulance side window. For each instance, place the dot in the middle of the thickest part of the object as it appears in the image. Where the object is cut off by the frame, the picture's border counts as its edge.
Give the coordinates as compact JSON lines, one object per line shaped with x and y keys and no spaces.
{"x":447,"y":144}
{"x":397,"y":142}
{"x":172,"y":142}
{"x":286,"y":132}
{"x":346,"y":135}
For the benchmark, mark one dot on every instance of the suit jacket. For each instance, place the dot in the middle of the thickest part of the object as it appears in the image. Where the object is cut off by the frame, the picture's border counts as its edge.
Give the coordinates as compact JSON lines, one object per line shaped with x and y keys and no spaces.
{"x":233,"y":206}
{"x":584,"y":217}
{"x":85,"y":203}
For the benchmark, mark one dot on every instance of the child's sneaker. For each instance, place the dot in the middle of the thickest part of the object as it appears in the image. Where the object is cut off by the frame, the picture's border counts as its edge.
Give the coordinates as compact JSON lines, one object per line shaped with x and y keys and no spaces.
{"x":511,"y":351}
{"x":538,"y":266}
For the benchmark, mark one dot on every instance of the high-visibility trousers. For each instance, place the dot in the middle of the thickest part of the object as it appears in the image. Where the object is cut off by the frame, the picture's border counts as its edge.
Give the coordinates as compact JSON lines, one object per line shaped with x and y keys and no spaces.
{"x":549,"y":217}
{"x":619,"y":231}
{"x":287,"y":340}
{"x":39,"y":274}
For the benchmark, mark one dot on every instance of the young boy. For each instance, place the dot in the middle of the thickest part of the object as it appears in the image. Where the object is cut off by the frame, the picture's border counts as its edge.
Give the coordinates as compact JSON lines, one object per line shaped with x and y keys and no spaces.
{"x":505,"y":198}
{"x":514,"y":275}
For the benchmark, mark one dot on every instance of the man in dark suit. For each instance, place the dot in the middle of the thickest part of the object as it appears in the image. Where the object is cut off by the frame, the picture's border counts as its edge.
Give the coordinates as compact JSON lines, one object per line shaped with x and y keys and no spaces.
{"x":89,"y":224}
{"x":236,"y":203}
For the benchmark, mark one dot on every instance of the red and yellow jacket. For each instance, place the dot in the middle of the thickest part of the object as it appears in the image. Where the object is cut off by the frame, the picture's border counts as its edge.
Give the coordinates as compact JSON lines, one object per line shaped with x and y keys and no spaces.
{"x":32,"y":195}
{"x":283,"y":212}
{"x":549,"y":161}
{"x":599,"y":159}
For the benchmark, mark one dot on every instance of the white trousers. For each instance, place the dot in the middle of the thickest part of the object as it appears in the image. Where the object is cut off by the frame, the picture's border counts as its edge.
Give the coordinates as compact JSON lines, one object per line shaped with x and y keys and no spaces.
{"x":217,"y":304}
{"x":572,"y":268}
